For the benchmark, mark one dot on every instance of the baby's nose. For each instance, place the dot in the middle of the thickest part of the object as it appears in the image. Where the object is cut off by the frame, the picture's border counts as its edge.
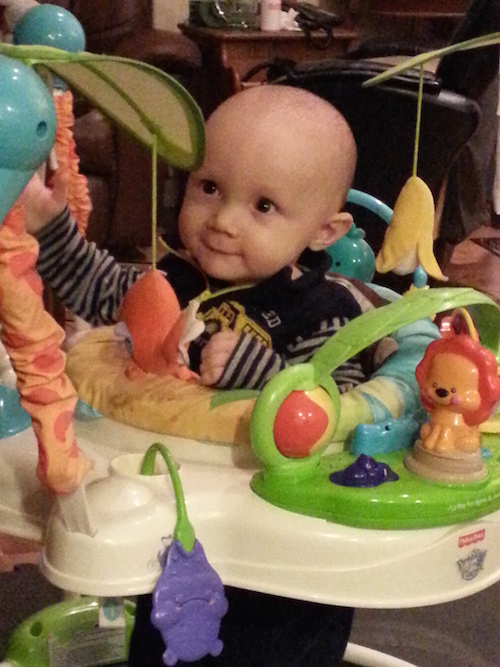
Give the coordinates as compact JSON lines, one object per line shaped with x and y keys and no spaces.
{"x":226,"y":220}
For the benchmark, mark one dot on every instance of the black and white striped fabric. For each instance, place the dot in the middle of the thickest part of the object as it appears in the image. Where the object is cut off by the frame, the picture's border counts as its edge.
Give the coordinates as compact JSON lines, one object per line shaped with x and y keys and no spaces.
{"x":280,"y":321}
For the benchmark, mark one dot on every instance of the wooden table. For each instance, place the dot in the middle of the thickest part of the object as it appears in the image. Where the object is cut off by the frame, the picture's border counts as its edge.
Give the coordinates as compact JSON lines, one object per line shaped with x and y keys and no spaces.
{"x":229,"y":55}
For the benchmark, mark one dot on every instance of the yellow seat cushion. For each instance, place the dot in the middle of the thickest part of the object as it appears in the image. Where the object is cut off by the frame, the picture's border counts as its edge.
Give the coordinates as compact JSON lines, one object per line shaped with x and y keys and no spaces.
{"x":97,"y":363}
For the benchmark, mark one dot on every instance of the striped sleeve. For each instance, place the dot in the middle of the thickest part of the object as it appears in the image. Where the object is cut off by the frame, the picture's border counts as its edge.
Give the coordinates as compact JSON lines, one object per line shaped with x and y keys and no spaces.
{"x":89,"y":281}
{"x":252,"y":364}
{"x":348,"y":375}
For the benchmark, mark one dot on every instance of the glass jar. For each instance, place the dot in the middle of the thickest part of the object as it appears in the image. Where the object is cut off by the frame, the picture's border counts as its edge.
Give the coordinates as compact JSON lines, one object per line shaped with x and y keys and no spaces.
{"x":237,"y":14}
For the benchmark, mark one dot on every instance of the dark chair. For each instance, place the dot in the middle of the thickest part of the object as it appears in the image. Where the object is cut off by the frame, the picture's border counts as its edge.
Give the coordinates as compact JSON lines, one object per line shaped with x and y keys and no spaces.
{"x":471,"y":72}
{"x":383,"y":120}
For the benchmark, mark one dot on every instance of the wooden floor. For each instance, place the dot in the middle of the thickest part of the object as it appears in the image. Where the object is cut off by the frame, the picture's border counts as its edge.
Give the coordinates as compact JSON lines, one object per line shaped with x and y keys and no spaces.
{"x":474,"y":266}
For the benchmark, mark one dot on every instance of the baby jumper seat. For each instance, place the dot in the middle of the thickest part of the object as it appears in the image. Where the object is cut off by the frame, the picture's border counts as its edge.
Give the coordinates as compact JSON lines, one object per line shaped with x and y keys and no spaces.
{"x":270,"y":520}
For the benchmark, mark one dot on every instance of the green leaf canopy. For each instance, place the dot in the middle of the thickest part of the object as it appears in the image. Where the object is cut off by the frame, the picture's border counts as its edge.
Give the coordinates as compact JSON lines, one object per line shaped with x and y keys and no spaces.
{"x":140,"y":98}
{"x":420,"y":60}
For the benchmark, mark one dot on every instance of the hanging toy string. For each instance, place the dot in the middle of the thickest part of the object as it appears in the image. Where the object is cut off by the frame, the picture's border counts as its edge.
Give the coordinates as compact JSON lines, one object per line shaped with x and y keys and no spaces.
{"x":154,"y":200}
{"x":183,"y":531}
{"x":419,"y":119}
{"x":419,"y":275}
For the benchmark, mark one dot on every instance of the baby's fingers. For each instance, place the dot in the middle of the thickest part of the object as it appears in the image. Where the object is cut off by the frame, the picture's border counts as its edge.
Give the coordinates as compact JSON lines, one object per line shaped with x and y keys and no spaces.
{"x":215,"y":355}
{"x":211,"y":369}
{"x":221,"y":341}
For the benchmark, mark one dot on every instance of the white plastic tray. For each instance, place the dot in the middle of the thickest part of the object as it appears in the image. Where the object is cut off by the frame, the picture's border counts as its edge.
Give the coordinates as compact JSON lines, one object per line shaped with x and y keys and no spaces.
{"x":255,"y":545}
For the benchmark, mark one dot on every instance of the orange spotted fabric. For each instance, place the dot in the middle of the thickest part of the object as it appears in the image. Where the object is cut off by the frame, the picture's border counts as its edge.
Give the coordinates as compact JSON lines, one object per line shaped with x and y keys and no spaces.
{"x":78,"y":197}
{"x":32,"y":339}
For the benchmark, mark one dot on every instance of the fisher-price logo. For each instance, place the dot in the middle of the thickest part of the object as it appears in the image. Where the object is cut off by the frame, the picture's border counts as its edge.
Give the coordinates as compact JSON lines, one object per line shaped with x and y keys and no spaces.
{"x":471,"y":538}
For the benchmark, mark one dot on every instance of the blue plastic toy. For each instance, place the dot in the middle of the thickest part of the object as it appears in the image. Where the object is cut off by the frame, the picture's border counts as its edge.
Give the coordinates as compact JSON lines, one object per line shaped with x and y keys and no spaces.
{"x":27,"y":132}
{"x":50,"y":26}
{"x":13,"y":418}
{"x":26,"y":135}
{"x":27,"y":128}
{"x":352,"y":256}
{"x":85,"y":412}
{"x":386,"y":435}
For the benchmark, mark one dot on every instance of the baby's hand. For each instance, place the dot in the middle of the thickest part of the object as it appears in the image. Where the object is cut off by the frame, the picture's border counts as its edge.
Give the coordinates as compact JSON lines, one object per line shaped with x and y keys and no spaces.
{"x":215,"y":355}
{"x":43,"y":203}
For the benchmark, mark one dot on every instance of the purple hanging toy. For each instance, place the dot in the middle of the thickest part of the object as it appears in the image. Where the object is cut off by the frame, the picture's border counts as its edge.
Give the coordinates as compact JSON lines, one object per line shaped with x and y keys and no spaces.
{"x":188,"y":599}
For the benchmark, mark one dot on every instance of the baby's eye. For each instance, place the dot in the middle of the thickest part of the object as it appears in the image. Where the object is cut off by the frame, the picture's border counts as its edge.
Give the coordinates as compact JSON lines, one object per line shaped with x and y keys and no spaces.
{"x":265,"y":205}
{"x":209,"y":187}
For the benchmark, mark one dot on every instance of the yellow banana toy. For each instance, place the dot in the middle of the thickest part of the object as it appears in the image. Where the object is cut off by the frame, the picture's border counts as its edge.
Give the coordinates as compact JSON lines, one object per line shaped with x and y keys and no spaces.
{"x":408,"y":241}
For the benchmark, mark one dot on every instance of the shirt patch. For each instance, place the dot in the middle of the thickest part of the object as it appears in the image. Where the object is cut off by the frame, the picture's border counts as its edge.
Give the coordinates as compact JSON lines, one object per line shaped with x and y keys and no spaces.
{"x":232,"y":315}
{"x":272,"y":318}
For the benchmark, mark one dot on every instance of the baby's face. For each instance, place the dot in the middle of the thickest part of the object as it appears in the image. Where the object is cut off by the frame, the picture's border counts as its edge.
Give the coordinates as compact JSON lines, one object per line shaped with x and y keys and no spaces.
{"x":254,"y":205}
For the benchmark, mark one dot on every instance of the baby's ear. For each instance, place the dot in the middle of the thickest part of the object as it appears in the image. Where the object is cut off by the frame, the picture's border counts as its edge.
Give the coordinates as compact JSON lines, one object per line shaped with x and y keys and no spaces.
{"x":331,"y":231}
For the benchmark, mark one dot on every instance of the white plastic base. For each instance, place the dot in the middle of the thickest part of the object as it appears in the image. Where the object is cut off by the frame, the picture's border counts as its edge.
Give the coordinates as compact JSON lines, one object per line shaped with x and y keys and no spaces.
{"x":255,"y":545}
{"x":368,"y":657}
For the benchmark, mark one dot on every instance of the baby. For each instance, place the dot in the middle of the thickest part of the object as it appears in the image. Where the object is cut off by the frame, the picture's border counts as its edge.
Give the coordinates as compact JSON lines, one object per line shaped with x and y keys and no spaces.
{"x":255,"y":221}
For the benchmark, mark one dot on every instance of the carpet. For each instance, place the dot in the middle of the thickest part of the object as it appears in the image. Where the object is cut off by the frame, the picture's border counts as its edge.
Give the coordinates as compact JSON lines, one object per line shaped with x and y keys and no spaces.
{"x":461,"y":633}
{"x":491,"y":243}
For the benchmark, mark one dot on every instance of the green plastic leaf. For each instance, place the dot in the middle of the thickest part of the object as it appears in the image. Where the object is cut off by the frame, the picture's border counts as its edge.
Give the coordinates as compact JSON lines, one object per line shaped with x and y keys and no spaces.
{"x":232,"y":395}
{"x":363,"y":331}
{"x":370,"y":327}
{"x":140,"y":98}
{"x":421,"y":59}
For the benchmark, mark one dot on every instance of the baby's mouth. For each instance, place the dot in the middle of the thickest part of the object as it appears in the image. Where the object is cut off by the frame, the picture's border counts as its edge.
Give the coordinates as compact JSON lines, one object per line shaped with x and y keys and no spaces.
{"x":218,"y":249}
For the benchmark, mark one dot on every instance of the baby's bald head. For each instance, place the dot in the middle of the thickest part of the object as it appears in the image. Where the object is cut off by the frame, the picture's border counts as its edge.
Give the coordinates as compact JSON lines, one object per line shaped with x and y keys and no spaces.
{"x":278,"y":164}
{"x":298,"y":125}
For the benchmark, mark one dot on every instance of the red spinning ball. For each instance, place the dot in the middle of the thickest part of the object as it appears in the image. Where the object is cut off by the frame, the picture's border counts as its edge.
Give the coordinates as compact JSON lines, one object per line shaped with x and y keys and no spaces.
{"x":304,"y":423}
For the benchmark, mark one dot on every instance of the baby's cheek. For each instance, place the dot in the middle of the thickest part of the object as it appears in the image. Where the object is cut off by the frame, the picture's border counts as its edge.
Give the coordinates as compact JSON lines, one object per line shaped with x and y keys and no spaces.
{"x":268,"y":256}
{"x":183,"y":233}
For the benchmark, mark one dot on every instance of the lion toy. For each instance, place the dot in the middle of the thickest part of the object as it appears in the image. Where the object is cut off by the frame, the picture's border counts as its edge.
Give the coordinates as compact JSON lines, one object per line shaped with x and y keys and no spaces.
{"x":459,"y":387}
